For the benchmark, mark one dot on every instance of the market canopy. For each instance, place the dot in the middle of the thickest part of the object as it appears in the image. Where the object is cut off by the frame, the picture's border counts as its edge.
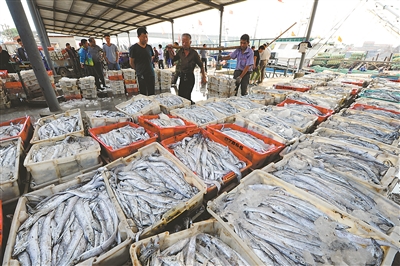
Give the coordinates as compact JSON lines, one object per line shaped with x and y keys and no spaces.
{"x":97,"y":17}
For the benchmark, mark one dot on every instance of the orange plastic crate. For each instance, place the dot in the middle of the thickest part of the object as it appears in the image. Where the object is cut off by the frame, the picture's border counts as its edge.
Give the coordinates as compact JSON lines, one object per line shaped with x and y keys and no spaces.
{"x":359,"y":106}
{"x":27,"y":130}
{"x":130,"y":81}
{"x":293,"y":88}
{"x":227,"y":179}
{"x":357,"y":83}
{"x":3,"y":74}
{"x":164,"y":132}
{"x":125,"y":151}
{"x":116,"y":77}
{"x":13,"y":85}
{"x":258,"y":159}
{"x":326,"y":112}
{"x":73,"y":97}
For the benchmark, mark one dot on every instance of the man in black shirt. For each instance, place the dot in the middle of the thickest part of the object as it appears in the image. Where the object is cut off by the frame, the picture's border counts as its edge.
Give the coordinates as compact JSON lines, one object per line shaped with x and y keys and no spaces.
{"x":189,"y":59}
{"x":140,"y":57}
{"x":4,"y":59}
{"x":21,"y":52}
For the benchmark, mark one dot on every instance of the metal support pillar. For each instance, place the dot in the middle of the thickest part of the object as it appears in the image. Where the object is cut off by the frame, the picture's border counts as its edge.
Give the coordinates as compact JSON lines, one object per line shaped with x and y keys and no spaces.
{"x":129,"y":39}
{"x":173,"y":34}
{"x":21,"y":23}
{"x":310,"y":24}
{"x":44,"y":40}
{"x":117,"y":41}
{"x":221,"y":13}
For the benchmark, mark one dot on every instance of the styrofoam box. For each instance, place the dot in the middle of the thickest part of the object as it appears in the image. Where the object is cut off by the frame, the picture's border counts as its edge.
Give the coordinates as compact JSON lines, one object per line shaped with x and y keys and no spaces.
{"x":104,"y":121}
{"x":383,"y":204}
{"x":220,"y":117}
{"x":304,"y":146}
{"x":329,"y":102}
{"x":266,"y":100}
{"x":211,"y":227}
{"x":380,"y":103}
{"x":68,"y":82}
{"x":170,"y":215}
{"x":35,"y":138}
{"x":356,"y":226}
{"x":56,"y":169}
{"x":10,"y":188}
{"x":233,"y":100}
{"x":279,"y":95}
{"x":21,"y":214}
{"x":166,"y":109}
{"x":390,"y":121}
{"x":118,"y":255}
{"x":216,"y":99}
{"x":131,"y":86}
{"x":151,"y":109}
{"x":87,"y":81}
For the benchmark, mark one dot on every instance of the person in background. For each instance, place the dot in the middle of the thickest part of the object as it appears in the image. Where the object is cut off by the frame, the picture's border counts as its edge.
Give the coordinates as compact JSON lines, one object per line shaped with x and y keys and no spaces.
{"x":160,"y":57}
{"x":204,"y":55}
{"x":87,"y":63}
{"x":96,"y":51}
{"x":189,"y":59}
{"x":140,"y":57}
{"x":111,"y":54}
{"x":244,"y":65}
{"x":177,"y":66}
{"x":264,"y":57}
{"x":73,"y":55}
{"x":155,"y":58}
{"x":256,"y":69}
{"x":169,"y":55}
{"x":21,"y":52}
{"x":5,"y":58}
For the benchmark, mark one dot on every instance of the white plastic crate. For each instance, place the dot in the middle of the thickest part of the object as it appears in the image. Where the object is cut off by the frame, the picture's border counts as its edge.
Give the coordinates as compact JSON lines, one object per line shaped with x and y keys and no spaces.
{"x":68,"y":82}
{"x":104,"y":121}
{"x":167,"y":109}
{"x":151,"y":109}
{"x":180,"y":112}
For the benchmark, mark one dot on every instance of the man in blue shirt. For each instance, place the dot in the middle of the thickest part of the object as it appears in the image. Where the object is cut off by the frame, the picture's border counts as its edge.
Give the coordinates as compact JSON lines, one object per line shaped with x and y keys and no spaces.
{"x":244,"y":65}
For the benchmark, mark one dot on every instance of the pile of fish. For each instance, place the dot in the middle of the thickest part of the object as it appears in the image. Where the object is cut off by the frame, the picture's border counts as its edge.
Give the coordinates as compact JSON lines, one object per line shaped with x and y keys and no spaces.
{"x":123,"y":136}
{"x":283,"y":229}
{"x":68,"y":147}
{"x":222,"y":107}
{"x":298,"y":120}
{"x":107,"y":113}
{"x":136,"y":106}
{"x":380,"y":112}
{"x":166,"y":121}
{"x":148,"y":187}
{"x":208,"y":159}
{"x":10,"y":130}
{"x":358,"y":129}
{"x":60,"y":126}
{"x":248,"y":140}
{"x":324,"y":181}
{"x":68,"y":227}
{"x":8,"y":156}
{"x":387,"y":95}
{"x":381,"y":104}
{"x":196,"y":114}
{"x":304,"y":108}
{"x":243,"y":103}
{"x":317,"y":99}
{"x":169,"y":100}
{"x":274,"y":124}
{"x":200,"y":249}
{"x":353,"y":161}
{"x":256,"y":96}
{"x":371,"y":119}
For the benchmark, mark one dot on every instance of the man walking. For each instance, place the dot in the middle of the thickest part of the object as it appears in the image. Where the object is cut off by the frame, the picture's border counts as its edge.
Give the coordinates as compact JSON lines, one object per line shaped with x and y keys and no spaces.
{"x":244,"y":65}
{"x":74,"y":57}
{"x":86,"y":61}
{"x":264,"y":57}
{"x":160,"y":57}
{"x":140,"y":56}
{"x":203,"y":54}
{"x":189,"y":59}
{"x":111,"y":54}
{"x":95,"y":51}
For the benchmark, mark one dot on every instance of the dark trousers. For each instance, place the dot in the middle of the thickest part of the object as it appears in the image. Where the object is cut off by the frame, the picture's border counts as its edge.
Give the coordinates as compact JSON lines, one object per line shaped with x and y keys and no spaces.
{"x":91,"y":71}
{"x":99,"y":71}
{"x":146,"y":84}
{"x":204,"y":60}
{"x":263,"y":64}
{"x":161,"y":64}
{"x":244,"y":83}
{"x":186,"y":85}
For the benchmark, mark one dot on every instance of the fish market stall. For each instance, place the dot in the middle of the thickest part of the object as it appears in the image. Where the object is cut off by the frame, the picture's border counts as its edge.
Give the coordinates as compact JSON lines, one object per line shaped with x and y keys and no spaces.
{"x":19,"y":127}
{"x":139,"y":105}
{"x":55,"y":162}
{"x":11,"y":158}
{"x":283,"y":224}
{"x":169,"y":101}
{"x":65,"y":224}
{"x":165,"y":126}
{"x":122,"y":139}
{"x":199,"y":115}
{"x":204,"y":242}
{"x":58,"y":127}
{"x":105,"y":117}
{"x":151,"y":188}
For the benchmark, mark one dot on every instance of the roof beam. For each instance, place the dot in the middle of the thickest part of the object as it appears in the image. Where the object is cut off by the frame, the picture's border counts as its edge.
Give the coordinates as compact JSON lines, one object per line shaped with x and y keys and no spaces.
{"x":114,"y":6}
{"x":73,"y":24}
{"x":210,"y":4}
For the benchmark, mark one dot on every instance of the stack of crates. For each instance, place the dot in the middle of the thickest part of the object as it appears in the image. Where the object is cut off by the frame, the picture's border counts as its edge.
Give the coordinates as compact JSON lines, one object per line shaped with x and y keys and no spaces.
{"x":31,"y":83}
{"x":116,"y":81}
{"x":130,"y":81}
{"x":165,"y":80}
{"x":88,"y":87}
{"x":220,"y":86}
{"x":70,"y":88}
{"x":4,"y":101}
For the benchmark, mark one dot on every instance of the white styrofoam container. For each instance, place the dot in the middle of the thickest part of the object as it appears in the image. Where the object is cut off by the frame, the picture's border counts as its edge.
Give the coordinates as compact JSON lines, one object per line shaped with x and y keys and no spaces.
{"x":35,"y":138}
{"x":389,"y":121}
{"x":211,"y":227}
{"x":356,"y":226}
{"x":215,"y":99}
{"x":220,"y":117}
{"x":151,"y":109}
{"x":118,"y":255}
{"x":158,"y":226}
{"x":10,"y":188}
{"x":59,"y":169}
{"x":167,"y":109}
{"x":21,"y":214}
{"x":380,"y":103}
{"x":104,"y":121}
{"x":383,"y":204}
{"x":235,"y":101}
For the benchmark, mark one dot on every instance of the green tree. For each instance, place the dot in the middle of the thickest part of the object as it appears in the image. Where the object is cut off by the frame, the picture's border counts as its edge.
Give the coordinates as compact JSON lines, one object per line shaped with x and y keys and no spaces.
{"x":8,"y":33}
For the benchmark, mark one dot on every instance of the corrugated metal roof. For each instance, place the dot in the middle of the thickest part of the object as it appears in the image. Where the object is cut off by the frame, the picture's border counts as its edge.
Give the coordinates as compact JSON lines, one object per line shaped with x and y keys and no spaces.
{"x":97,"y":17}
